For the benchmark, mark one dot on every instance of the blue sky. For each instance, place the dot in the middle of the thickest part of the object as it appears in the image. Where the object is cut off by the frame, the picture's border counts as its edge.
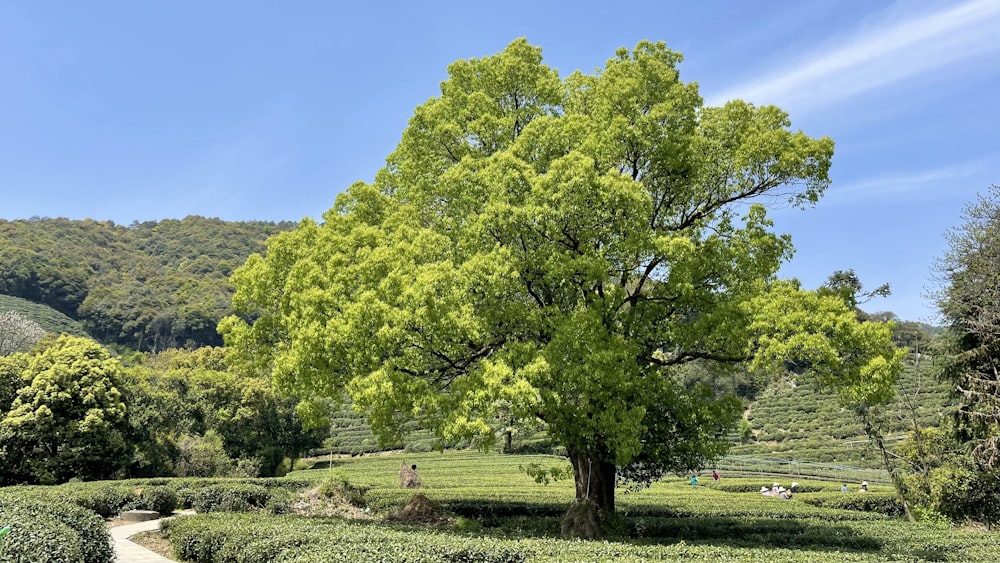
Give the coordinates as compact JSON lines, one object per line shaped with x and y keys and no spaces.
{"x":266,"y":110}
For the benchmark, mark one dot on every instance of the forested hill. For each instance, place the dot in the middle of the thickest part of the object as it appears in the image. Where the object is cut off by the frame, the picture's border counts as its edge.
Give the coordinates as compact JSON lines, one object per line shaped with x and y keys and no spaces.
{"x":147,"y":286}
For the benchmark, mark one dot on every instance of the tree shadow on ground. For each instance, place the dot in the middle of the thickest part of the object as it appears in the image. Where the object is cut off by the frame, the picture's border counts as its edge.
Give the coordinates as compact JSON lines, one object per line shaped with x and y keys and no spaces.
{"x":525,"y":519}
{"x":327,"y":464}
{"x":748,"y":533}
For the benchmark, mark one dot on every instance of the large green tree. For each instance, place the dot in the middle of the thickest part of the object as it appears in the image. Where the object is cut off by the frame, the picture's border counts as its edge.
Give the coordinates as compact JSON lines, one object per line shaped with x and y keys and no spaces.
{"x":68,"y":418}
{"x":552,"y":248}
{"x":179,"y":397}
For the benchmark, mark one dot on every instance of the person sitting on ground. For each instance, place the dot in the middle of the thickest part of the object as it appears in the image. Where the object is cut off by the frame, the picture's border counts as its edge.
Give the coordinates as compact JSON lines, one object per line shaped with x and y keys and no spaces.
{"x":784,"y":493}
{"x":765,"y":491}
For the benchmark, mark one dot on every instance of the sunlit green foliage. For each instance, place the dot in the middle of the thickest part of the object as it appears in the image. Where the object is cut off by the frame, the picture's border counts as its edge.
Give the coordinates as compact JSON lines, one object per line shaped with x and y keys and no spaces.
{"x":68,"y":418}
{"x":190,"y":415}
{"x":554,"y":249}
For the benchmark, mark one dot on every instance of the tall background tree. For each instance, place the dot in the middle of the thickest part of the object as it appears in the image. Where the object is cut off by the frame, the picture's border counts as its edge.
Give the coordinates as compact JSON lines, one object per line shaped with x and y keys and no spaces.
{"x":969,"y":303}
{"x":553,"y":248}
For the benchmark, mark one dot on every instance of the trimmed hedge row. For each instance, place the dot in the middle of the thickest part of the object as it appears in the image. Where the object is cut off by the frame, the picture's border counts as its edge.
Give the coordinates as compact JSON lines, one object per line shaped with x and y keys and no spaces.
{"x":881,"y":503}
{"x":230,"y":497}
{"x":230,"y":538}
{"x":110,"y":498}
{"x":50,"y":530}
{"x":107,"y":499}
{"x":65,"y":524}
{"x":258,"y":538}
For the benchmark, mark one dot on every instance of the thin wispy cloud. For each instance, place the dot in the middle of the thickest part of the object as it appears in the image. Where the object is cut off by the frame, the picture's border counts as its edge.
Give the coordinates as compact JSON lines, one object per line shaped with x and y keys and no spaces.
{"x":898,"y":185}
{"x":899,"y":44}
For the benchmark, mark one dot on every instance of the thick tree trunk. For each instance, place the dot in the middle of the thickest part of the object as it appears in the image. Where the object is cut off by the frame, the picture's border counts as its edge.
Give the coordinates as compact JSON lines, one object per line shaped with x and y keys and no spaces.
{"x":595,"y":496}
{"x":595,"y":481}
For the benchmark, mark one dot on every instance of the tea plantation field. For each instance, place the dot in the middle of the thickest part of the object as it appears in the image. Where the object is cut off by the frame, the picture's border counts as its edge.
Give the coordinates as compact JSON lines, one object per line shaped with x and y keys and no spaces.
{"x":488,"y":510}
{"x":499,"y":514}
{"x":796,"y":419}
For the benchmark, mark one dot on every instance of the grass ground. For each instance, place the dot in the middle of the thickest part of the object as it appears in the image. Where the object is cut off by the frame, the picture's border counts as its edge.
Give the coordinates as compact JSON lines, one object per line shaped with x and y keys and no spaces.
{"x":499,"y":514}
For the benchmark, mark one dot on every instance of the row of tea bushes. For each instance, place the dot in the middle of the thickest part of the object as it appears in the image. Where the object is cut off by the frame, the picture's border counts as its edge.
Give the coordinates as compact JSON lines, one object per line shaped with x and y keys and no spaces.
{"x":243,"y":538}
{"x":110,"y":498}
{"x":51,"y":531}
{"x":882,"y":503}
{"x":65,"y":523}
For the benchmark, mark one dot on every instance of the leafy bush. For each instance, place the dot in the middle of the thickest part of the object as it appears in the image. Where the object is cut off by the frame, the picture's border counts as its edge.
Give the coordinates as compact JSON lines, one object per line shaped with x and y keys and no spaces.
{"x":230,"y":497}
{"x":881,"y":503}
{"x":962,"y":491}
{"x":217,"y":538}
{"x":161,"y":499}
{"x":110,"y":498}
{"x":39,"y":539}
{"x":336,"y":486}
{"x":107,"y":501}
{"x":44,"y":529}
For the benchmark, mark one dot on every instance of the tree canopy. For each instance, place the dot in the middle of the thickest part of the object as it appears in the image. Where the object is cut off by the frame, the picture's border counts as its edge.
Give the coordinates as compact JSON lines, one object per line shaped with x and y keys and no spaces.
{"x":969,"y":301}
{"x":552,"y":248}
{"x":68,"y":418}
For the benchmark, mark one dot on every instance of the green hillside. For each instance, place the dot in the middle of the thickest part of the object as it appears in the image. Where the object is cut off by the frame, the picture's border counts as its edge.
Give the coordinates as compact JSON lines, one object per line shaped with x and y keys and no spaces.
{"x":47,"y":317}
{"x":796,"y":420}
{"x":792,"y":420}
{"x":351,"y":434}
{"x":148,"y":286}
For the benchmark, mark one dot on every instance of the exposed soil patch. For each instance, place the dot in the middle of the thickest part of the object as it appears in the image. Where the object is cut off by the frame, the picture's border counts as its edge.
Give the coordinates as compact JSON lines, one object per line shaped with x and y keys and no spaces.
{"x":154,"y":541}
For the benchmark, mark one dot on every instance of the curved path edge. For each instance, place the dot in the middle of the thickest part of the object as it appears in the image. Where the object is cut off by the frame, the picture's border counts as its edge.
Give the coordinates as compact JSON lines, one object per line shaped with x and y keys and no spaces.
{"x":127,"y":551}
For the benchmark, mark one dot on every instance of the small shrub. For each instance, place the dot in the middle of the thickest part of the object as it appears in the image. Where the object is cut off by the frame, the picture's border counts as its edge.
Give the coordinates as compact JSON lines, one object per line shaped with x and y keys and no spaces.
{"x":881,"y":503}
{"x":467,"y":525}
{"x":336,"y":486}
{"x":280,"y":502}
{"x":161,"y":499}
{"x":233,"y":497}
{"x":40,"y":540}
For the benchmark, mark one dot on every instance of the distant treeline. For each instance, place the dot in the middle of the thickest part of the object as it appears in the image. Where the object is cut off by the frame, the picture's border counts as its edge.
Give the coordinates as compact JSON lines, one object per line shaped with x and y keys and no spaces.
{"x":148,"y":286}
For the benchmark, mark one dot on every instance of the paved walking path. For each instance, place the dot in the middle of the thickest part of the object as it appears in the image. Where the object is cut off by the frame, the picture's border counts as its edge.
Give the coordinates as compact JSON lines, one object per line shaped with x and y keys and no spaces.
{"x":129,"y":552}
